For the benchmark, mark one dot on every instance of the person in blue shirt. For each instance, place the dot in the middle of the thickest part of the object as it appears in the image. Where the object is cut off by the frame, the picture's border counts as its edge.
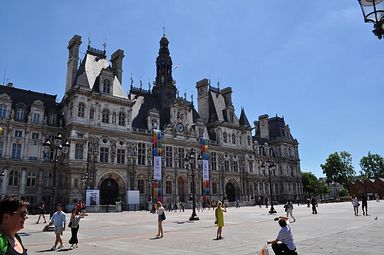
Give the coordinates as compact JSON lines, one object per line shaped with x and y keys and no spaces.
{"x":284,"y":243}
{"x":59,"y":221}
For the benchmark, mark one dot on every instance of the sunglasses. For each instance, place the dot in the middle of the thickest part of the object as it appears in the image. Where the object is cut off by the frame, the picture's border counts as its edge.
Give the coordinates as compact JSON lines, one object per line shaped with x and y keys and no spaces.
{"x":21,"y":213}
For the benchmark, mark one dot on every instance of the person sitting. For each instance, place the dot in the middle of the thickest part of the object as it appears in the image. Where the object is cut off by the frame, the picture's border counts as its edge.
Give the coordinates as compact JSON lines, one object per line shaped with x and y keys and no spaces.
{"x":284,"y":243}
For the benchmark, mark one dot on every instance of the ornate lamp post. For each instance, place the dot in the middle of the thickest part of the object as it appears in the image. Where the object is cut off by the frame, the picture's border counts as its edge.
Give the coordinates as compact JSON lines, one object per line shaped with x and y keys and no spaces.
{"x":86,"y":179}
{"x":190,"y":158}
{"x":268,"y":165}
{"x":373,"y":12}
{"x":59,"y":151}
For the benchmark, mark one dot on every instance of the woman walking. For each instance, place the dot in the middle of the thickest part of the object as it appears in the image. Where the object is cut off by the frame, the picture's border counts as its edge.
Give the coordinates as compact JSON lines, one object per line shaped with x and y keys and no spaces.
{"x":355,"y":204}
{"x":160,"y":218}
{"x":219,"y":220}
{"x":41,"y":212}
{"x":74,"y":225}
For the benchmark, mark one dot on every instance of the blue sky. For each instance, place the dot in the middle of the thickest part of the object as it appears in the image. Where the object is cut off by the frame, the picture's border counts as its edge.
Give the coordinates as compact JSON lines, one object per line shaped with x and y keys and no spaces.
{"x":314,"y":62}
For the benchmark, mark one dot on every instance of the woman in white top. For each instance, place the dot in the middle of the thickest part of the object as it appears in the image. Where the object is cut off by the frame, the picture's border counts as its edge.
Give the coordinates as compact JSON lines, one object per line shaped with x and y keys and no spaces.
{"x":355,"y":204}
{"x":160,"y":217}
{"x":74,"y":225}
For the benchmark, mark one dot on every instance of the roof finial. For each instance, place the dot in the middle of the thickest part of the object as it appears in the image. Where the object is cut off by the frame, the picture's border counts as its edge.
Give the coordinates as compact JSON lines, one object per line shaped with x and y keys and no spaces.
{"x":131,"y":81}
{"x":192,"y":98}
{"x":105,"y":45}
{"x":163,"y":31}
{"x":218,"y":84}
{"x":185,"y":95}
{"x":89,"y":40}
{"x":149,"y":85}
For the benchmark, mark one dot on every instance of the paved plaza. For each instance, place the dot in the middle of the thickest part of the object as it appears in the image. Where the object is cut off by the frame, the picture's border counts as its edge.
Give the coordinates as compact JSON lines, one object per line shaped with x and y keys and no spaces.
{"x":334,"y":230}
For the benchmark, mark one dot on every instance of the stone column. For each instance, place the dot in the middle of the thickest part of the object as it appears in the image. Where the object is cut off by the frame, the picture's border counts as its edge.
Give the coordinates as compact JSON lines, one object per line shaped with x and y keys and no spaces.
{"x":4,"y":187}
{"x":23,"y":181}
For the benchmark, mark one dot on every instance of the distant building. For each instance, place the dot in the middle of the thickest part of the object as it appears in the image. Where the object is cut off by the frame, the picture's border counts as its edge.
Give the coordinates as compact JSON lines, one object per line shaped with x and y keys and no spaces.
{"x":109,"y":132}
{"x":334,"y":188}
{"x":370,"y":187}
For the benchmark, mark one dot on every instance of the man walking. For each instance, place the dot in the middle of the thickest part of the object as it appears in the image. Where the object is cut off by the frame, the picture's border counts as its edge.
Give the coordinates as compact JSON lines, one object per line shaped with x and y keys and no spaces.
{"x":289,"y":208}
{"x":58,"y":219}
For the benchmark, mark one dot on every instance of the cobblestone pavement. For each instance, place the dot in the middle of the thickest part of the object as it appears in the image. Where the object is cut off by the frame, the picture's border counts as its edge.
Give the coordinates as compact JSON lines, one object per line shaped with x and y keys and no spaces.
{"x":334,"y":230}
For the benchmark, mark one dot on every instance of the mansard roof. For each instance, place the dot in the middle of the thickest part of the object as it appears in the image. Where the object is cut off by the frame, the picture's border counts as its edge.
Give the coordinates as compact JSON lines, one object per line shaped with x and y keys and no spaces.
{"x":28,"y":97}
{"x":217,"y":106}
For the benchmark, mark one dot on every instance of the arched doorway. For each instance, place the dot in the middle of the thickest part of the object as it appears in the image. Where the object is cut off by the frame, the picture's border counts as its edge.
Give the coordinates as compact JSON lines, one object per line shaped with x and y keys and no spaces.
{"x":181,"y":189}
{"x":230,"y":192}
{"x":109,"y":191}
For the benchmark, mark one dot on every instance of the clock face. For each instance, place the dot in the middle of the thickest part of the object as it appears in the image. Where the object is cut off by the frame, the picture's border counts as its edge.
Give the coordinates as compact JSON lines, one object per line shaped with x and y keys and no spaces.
{"x":179,"y":127}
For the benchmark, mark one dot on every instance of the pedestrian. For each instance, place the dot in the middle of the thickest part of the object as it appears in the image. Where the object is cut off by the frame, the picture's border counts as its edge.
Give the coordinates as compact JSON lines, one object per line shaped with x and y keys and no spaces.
{"x":180,"y":206}
{"x":41,"y":210}
{"x":259,"y":201}
{"x":79,"y":206}
{"x":59,"y":221}
{"x":356,"y":205}
{"x":377,"y":197}
{"x":284,"y":243}
{"x":219,"y":216}
{"x":237,"y":203}
{"x":289,"y":208}
{"x":160,"y":218}
{"x":175,"y":207}
{"x":266,"y":202}
{"x":74,"y":225}
{"x":313,"y":203}
{"x":364,"y":204}
{"x":13,"y":213}
{"x":308,"y":201}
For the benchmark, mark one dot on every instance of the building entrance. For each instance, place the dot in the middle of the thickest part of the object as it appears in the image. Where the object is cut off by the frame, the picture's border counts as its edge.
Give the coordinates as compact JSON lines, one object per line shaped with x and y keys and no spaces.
{"x":109,"y":191}
{"x":230,"y":192}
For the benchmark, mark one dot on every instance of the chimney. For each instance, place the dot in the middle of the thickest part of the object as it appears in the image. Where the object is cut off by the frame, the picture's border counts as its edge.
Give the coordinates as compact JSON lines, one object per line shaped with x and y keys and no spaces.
{"x":227,"y":94}
{"x":202,"y":87}
{"x":264,"y":129}
{"x":117,"y":64}
{"x":73,"y":60}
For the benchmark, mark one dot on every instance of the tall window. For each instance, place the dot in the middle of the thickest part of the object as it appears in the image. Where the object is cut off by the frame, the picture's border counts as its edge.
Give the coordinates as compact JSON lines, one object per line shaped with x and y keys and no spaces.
{"x":121,"y":119}
{"x":47,"y":179}
{"x":31,"y":179}
{"x":140,"y":186}
{"x":226,"y":166}
{"x":18,"y":133}
{"x":225,"y":137}
{"x":16,"y":151}
{"x":3,"y":111}
{"x":249,"y":140}
{"x":36,"y":117}
{"x":1,"y":149}
{"x":91,"y":114}
{"x":233,"y":139}
{"x":104,"y":154}
{"x":20,"y":115}
{"x":13,"y":178}
{"x":105,"y":116}
{"x":81,"y":110}
{"x":120,"y":156}
{"x":168,"y":187}
{"x":168,"y":156}
{"x":250,"y":164}
{"x":214,"y":187}
{"x":79,"y":151}
{"x":35,"y":136}
{"x":141,"y":154}
{"x":181,"y":157}
{"x":107,"y":86}
{"x":235,"y":166}
{"x":213,"y":161}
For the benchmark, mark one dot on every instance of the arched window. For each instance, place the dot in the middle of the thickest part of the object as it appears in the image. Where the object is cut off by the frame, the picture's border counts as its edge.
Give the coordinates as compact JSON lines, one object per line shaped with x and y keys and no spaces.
{"x":105,"y":116}
{"x":121,"y":119}
{"x":92,"y":114}
{"x":107,"y":86}
{"x":31,"y":179}
{"x":13,"y":178}
{"x":225,"y":137}
{"x":81,"y":110}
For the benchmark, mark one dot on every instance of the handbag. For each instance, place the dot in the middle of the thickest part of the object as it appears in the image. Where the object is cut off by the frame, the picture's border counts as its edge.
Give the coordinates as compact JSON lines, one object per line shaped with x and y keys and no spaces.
{"x":70,"y":224}
{"x":162,"y":216}
{"x":264,"y":250}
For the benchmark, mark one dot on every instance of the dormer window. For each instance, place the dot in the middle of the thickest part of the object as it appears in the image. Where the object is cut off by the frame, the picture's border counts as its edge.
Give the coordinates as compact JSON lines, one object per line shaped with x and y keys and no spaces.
{"x":225,"y":137}
{"x":121,"y":119}
{"x":36,"y":118}
{"x":92,"y":114}
{"x":20,"y":114}
{"x":81,"y":110}
{"x":3,"y":111}
{"x":107,"y":86}
{"x":154,"y":124}
{"x":105,"y":116}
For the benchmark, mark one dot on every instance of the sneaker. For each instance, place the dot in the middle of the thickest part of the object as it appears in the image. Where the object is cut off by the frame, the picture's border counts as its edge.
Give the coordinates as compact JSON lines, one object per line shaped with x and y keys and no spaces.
{"x":61,"y":246}
{"x":53,"y":248}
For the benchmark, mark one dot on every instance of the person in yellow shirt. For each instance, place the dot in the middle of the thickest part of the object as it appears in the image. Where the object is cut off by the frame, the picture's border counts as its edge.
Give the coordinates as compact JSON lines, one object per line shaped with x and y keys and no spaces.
{"x":219,"y":220}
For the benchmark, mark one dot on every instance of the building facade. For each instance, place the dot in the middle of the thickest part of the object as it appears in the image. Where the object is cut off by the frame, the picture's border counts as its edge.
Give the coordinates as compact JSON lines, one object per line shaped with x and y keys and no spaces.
{"x":109,"y":133}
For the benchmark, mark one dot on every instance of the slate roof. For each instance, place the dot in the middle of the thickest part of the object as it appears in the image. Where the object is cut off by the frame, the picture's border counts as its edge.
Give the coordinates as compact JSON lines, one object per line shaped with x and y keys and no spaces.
{"x":243,"y":121}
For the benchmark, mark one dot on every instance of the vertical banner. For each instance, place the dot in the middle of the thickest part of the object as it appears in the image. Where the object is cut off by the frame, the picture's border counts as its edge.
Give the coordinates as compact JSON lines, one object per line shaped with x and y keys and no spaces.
{"x":157,"y":152}
{"x":205,"y":156}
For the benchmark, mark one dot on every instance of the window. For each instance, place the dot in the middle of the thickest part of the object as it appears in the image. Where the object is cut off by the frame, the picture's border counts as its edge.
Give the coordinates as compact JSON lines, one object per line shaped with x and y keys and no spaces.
{"x":168,"y":187}
{"x":107,"y":86}
{"x":76,"y":183}
{"x":181,"y":158}
{"x":105,"y":116}
{"x":31,"y":179}
{"x":81,"y":110}
{"x":225,"y":137}
{"x":121,"y":119}
{"x":226,"y":166}
{"x":104,"y":154}
{"x":79,"y":151}
{"x":214,"y":187}
{"x":114,"y":118}
{"x":1,"y":149}
{"x":52,"y":119}
{"x":140,"y":186}
{"x":3,"y":111}
{"x":250,"y":164}
{"x":233,"y":139}
{"x":168,"y":156}
{"x":36,"y":117}
{"x":236,"y":166}
{"x":91,"y":114}
{"x":120,"y":156}
{"x":13,"y":178}
{"x":16,"y":151}
{"x":141,"y":154}
{"x":249,"y":140}
{"x":35,"y":136}
{"x":47,"y":179}
{"x":20,"y":115}
{"x":213,"y":161}
{"x":18,"y":133}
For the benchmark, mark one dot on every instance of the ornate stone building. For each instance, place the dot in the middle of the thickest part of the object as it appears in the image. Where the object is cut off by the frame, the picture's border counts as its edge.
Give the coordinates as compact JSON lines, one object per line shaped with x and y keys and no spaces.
{"x":109,"y":133}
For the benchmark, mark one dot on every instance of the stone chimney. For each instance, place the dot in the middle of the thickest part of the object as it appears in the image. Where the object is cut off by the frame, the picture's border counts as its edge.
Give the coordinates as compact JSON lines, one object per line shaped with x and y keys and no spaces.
{"x":263,"y":126}
{"x":117,"y":64}
{"x":73,"y":60}
{"x":227,"y":94}
{"x":202,"y":87}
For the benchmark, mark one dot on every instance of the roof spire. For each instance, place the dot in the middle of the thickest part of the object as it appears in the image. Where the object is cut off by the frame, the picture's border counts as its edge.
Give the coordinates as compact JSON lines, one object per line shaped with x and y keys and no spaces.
{"x":105,"y":45}
{"x":89,"y":40}
{"x":163,"y":31}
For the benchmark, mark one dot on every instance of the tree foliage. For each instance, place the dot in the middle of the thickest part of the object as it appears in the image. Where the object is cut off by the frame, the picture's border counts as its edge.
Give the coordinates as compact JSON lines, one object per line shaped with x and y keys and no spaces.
{"x":312,"y":186}
{"x":372,"y":165}
{"x":338,"y":168}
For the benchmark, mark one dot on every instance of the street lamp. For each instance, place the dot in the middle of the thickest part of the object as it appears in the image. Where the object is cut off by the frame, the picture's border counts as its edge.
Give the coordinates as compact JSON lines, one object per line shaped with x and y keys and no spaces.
{"x":59,"y":150}
{"x":268,"y":165}
{"x":190,"y":158}
{"x":373,"y":12}
{"x":86,"y":179}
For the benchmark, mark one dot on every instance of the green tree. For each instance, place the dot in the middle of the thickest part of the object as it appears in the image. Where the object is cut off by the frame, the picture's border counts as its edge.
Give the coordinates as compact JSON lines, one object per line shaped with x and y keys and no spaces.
{"x":312,"y":186}
{"x":372,"y":165}
{"x":338,"y":168}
